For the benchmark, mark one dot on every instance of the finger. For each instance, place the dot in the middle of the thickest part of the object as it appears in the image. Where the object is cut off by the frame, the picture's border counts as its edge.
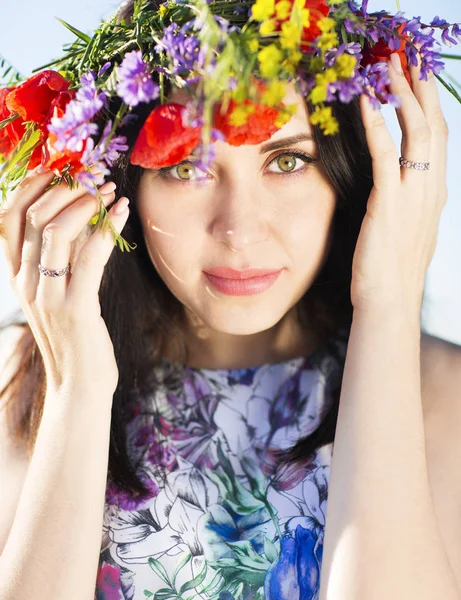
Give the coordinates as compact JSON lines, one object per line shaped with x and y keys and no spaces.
{"x":57,"y":239}
{"x":26,"y":197}
{"x":427,"y":94}
{"x":14,"y":212}
{"x":89,"y":267}
{"x":385,"y":160}
{"x":416,"y":134}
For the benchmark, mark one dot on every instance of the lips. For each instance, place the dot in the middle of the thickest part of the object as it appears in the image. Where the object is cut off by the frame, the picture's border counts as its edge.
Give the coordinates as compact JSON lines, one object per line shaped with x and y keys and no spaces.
{"x":228,"y":273}
{"x":241,"y":283}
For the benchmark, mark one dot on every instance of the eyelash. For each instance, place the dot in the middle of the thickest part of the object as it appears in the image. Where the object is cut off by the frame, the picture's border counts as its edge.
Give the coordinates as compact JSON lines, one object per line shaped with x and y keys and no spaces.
{"x":163,"y":172}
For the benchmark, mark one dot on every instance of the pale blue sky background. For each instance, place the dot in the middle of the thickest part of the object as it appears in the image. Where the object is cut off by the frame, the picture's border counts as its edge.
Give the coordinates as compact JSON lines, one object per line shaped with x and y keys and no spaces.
{"x":32,"y":37}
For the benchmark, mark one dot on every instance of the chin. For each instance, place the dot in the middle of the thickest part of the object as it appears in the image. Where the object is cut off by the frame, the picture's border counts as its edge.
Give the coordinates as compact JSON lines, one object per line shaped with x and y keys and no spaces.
{"x":241,"y":320}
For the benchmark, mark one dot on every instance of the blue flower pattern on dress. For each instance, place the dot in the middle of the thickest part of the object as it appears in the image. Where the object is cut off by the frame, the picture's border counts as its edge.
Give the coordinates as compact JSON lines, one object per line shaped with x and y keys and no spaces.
{"x":224,"y":518}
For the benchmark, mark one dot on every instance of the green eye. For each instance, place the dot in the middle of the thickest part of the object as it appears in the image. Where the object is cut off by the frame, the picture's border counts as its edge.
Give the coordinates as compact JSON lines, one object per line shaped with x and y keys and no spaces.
{"x":286,"y":162}
{"x":184,"y":169}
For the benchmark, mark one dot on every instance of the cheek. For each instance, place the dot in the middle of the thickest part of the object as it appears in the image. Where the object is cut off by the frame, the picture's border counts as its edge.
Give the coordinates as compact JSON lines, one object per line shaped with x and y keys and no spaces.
{"x":171,"y":240}
{"x":304,"y":222}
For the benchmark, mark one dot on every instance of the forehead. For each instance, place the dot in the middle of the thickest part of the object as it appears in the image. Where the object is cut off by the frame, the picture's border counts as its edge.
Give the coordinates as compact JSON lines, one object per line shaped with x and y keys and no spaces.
{"x":298,"y":122}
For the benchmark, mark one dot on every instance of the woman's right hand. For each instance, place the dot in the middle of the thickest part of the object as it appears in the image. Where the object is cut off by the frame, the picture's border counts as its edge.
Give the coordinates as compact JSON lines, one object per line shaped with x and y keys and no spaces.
{"x":63,"y":312}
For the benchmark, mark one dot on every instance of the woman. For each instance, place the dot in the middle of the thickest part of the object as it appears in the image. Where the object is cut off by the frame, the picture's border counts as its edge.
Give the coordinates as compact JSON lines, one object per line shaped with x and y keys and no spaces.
{"x":216,"y":399}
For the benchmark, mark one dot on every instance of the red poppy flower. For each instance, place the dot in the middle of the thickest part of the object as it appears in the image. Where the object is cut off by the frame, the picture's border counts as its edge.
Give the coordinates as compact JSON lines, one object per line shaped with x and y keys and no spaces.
{"x":381,"y":52}
{"x":32,"y":99}
{"x":164,"y":140}
{"x":12,"y":133}
{"x":318,"y":10}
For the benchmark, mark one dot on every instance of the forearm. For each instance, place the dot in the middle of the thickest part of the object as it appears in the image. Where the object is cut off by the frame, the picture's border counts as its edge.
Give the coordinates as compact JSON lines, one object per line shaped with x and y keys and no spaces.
{"x":381,"y":537}
{"x":53,"y":548}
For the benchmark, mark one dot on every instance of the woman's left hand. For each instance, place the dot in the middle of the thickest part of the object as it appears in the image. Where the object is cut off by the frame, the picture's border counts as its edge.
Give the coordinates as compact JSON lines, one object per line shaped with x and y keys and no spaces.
{"x":399,"y":231}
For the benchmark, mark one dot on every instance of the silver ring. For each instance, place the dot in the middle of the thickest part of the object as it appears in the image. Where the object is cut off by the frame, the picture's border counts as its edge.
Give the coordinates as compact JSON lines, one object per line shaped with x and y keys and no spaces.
{"x":50,"y":273}
{"x":409,"y":164}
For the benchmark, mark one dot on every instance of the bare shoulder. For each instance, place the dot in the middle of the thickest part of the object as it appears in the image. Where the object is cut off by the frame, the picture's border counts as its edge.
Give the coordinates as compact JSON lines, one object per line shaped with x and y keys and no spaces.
{"x":440,"y":374}
{"x":441,"y":395}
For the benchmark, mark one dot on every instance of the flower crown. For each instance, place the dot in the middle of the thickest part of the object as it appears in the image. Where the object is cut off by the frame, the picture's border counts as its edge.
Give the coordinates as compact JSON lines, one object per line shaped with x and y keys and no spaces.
{"x":234,"y":57}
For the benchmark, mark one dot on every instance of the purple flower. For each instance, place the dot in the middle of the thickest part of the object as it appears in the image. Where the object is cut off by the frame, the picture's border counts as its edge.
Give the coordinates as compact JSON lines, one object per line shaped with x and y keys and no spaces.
{"x":103,"y":154}
{"x":184,"y":50}
{"x":126,"y":501}
{"x":75,"y":126}
{"x":135,"y":83}
{"x":104,"y":68}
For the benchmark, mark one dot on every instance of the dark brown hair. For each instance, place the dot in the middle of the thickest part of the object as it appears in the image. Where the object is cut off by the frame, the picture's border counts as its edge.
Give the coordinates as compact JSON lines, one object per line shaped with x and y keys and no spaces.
{"x":141,"y":313}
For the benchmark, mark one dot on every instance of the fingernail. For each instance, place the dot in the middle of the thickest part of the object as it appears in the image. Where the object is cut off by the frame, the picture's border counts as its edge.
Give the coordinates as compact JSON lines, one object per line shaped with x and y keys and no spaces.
{"x":121,"y":206}
{"x":107,"y":187}
{"x":42,"y":169}
{"x":396,"y":63}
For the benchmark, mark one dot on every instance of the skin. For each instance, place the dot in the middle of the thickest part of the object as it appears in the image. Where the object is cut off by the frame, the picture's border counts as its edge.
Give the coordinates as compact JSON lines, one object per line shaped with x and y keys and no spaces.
{"x":250,"y":212}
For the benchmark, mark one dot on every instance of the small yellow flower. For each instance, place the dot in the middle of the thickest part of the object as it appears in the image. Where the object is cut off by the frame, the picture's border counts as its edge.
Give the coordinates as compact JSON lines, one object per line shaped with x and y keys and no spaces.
{"x":318,"y":94}
{"x":162,"y":10}
{"x":331,"y":127}
{"x":345,"y":65}
{"x":253,"y":45}
{"x":327,"y":76}
{"x":269,"y":60}
{"x":290,"y":63}
{"x":285,"y":115}
{"x":283,"y":9}
{"x":327,"y":41}
{"x":239,"y":115}
{"x":267,"y":27}
{"x":263,"y":9}
{"x":305,"y":17}
{"x":274,"y":93}
{"x":290,"y":35}
{"x":325,"y":119}
{"x":325,"y":24}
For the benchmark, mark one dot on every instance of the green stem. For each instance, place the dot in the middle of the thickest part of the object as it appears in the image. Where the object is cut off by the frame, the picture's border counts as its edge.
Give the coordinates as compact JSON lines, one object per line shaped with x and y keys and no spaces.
{"x":450,"y":88}
{"x":274,"y":518}
{"x":453,"y":56}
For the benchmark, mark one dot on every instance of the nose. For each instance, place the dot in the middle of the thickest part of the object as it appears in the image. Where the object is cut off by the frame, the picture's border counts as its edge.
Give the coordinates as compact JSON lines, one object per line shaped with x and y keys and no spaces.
{"x":239,"y":220}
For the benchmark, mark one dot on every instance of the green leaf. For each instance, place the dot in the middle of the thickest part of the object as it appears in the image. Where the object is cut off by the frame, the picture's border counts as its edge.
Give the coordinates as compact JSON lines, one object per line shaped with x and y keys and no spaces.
{"x":157,"y":566}
{"x":15,"y":167}
{"x":270,"y":550}
{"x":77,"y":32}
{"x":9,"y":120}
{"x":165,"y":594}
{"x":183,"y":562}
{"x":256,"y":478}
{"x":190,"y":585}
{"x":148,"y":594}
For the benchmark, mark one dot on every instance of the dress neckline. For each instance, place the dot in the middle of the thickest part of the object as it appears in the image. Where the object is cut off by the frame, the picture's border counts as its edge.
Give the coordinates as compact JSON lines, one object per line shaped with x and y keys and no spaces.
{"x":294,"y":361}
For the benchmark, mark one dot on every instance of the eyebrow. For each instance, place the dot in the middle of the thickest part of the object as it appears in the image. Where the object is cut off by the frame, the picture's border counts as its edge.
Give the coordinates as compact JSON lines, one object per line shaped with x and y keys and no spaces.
{"x":283,"y":143}
{"x":289,"y":141}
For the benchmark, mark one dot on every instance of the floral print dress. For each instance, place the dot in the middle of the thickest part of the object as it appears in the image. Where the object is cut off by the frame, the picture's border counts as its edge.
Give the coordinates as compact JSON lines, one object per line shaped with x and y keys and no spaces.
{"x":225,"y":517}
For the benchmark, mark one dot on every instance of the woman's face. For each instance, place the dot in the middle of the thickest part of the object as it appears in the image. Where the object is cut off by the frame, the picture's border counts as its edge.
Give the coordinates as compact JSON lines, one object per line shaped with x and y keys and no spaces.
{"x":260,"y":206}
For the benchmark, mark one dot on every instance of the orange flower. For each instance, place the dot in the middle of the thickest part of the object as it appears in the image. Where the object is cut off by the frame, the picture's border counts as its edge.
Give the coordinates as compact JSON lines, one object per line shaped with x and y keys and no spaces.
{"x":163,"y":139}
{"x":260,"y":125}
{"x":50,"y":157}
